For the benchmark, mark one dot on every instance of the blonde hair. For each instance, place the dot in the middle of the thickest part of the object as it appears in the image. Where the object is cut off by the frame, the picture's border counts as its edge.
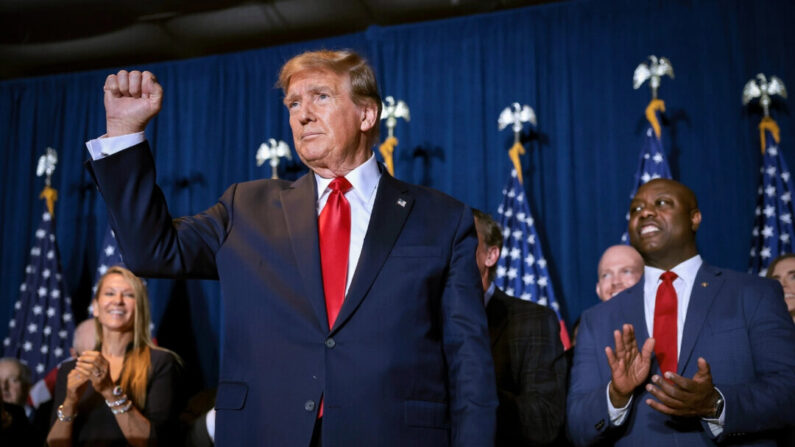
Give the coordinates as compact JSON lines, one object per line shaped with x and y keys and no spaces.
{"x":137,"y":361}
{"x":364,"y":87}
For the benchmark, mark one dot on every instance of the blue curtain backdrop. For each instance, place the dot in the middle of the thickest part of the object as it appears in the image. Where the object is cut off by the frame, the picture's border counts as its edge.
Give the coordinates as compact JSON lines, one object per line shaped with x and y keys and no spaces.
{"x":572,"y":62}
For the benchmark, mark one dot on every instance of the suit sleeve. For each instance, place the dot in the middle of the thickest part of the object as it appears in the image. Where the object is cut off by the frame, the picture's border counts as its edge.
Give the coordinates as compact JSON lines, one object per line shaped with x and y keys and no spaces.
{"x":541,"y":402}
{"x":473,"y":395}
{"x":154,"y":244}
{"x":768,"y":401}
{"x":587,"y":416}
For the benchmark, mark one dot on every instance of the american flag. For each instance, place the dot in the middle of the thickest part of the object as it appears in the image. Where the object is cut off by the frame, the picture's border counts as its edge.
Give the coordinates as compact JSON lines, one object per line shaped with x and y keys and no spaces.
{"x":109,"y":255}
{"x":40,"y":333}
{"x":522,"y":270}
{"x":773,"y":231}
{"x":652,"y":163}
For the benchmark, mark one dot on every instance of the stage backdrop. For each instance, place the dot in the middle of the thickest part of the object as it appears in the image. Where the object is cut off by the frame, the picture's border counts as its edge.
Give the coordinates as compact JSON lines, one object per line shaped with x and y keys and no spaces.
{"x":572,"y":62}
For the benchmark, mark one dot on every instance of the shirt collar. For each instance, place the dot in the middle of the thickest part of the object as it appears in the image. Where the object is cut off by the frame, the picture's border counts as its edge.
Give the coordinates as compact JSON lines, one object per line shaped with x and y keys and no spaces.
{"x":687,"y":270}
{"x":488,"y":294}
{"x":363,"y":179}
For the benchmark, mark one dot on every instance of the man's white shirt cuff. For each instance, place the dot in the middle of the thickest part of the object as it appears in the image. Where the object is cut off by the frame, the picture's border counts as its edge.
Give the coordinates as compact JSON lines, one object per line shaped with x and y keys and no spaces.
{"x":617,"y":415}
{"x":716,"y":425}
{"x":209,"y":420}
{"x":104,"y":146}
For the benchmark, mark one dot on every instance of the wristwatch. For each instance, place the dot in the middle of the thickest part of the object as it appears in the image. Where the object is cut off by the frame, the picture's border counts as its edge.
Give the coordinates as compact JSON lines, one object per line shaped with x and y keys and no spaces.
{"x":718,"y":405}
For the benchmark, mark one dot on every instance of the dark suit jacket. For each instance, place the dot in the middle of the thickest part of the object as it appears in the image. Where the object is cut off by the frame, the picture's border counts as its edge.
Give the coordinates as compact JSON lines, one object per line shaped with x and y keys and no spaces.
{"x":530,"y":368}
{"x":738,"y":323}
{"x":18,"y":432}
{"x":407,"y":361}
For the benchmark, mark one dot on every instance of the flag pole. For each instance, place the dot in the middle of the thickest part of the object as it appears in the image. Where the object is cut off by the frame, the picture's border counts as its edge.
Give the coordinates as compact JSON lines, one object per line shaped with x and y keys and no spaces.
{"x":391,"y":110}
{"x":773,"y":229}
{"x":41,"y":329}
{"x":652,"y":162}
{"x":522,"y":269}
{"x":271,"y":152}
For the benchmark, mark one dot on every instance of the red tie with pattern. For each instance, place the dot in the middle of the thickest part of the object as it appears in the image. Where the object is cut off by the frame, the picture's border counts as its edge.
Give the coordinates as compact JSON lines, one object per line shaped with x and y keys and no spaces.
{"x":334,"y":227}
{"x":665,"y":323}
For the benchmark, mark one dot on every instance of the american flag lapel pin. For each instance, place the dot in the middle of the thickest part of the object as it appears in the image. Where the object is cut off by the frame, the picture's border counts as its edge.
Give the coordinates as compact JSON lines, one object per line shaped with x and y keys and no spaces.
{"x":401,"y":202}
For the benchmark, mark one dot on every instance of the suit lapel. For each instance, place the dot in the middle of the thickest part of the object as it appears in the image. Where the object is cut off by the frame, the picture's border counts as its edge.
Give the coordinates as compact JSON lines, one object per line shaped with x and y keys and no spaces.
{"x":633,"y":312}
{"x":392,"y":206}
{"x":300,"y":213}
{"x":705,"y":289}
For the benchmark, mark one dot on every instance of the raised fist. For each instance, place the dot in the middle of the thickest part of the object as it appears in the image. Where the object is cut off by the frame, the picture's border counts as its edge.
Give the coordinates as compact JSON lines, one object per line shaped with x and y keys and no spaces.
{"x":131,"y":100}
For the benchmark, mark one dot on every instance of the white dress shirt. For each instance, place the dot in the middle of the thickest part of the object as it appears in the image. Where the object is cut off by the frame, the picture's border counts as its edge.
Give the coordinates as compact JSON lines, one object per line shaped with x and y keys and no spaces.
{"x":488,"y":294}
{"x":361,"y":196}
{"x":103,"y":146}
{"x":686,"y":277}
{"x":209,"y":421}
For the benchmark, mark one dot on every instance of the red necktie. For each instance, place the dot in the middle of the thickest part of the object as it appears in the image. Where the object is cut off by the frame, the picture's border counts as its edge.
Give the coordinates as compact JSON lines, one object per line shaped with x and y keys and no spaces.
{"x":334,"y":232}
{"x":665,"y":323}
{"x":334,"y":227}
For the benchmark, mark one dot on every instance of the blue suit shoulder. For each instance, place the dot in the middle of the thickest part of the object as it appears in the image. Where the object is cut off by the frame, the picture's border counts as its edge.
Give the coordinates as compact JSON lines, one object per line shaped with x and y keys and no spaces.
{"x":744,"y":284}
{"x":614,"y":305}
{"x":426,"y":193}
{"x":741,"y":277}
{"x":261,"y":186}
{"x":264,"y":183}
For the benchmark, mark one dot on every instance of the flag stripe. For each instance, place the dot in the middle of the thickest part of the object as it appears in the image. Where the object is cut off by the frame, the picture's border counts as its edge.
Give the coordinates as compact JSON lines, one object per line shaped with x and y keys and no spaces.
{"x":773,"y":230}
{"x":652,"y":164}
{"x":40,"y":332}
{"x":522,"y":269}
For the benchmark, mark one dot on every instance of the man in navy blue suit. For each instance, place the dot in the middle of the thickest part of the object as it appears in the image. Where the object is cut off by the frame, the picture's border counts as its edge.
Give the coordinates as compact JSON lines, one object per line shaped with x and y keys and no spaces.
{"x":403,"y":359}
{"x":728,"y":361}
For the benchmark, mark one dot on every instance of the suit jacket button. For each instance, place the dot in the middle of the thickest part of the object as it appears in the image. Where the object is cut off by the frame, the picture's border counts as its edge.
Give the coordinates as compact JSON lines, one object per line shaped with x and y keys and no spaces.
{"x":309,"y":405}
{"x":330,"y":343}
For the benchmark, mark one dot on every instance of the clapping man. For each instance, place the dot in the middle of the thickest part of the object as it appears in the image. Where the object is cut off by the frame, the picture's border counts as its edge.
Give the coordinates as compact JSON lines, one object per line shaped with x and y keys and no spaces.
{"x":691,"y":355}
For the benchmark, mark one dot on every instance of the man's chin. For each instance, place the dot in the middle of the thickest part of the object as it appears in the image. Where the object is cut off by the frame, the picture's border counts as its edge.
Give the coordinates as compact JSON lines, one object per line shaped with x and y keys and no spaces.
{"x":311,"y":152}
{"x":645,"y":247}
{"x":312,"y":160}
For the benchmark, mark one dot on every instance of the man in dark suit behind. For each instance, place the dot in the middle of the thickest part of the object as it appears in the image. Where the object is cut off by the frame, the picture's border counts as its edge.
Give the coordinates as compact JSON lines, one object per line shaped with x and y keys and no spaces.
{"x":352,"y":309}
{"x":695,"y":354}
{"x":528,"y":354}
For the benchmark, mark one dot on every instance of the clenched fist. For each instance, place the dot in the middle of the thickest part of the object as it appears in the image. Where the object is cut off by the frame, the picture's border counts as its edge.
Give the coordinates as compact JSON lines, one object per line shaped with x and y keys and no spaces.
{"x":131,"y":100}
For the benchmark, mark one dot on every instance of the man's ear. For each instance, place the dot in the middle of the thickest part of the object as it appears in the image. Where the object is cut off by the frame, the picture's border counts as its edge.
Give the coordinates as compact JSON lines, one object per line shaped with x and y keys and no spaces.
{"x":598,"y":290}
{"x":492,"y":256}
{"x":695,"y":219}
{"x":369,"y":115}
